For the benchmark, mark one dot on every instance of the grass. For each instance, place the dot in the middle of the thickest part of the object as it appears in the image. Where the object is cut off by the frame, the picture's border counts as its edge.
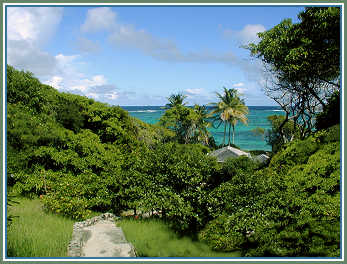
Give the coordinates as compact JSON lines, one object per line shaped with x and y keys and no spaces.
{"x":35,"y":233}
{"x":153,"y":238}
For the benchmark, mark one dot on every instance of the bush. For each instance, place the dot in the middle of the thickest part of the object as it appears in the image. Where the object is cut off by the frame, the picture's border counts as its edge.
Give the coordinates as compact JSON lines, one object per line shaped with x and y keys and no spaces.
{"x":173,"y":178}
{"x":231,"y":232}
{"x":78,"y":196}
{"x":69,"y":113}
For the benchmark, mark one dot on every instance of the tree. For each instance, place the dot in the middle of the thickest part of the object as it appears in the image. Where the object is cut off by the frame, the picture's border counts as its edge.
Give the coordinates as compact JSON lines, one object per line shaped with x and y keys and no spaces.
{"x":230,"y":109}
{"x":280,"y":132}
{"x":331,"y":114}
{"x":189,"y":124}
{"x":201,"y":124}
{"x":218,"y":116}
{"x":69,"y":113}
{"x":179,"y":119}
{"x":302,"y":63}
{"x":175,"y":100}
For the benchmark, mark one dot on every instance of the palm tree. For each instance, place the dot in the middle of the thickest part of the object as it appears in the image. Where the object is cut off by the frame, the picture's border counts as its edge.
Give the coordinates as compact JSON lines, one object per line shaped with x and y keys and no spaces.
{"x":238,"y":113}
{"x":175,"y":100}
{"x":229,"y":110}
{"x":201,"y":124}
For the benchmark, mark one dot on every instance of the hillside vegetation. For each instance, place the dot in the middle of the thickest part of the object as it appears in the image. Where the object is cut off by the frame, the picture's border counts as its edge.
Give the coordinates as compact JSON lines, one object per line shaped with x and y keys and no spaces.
{"x":83,"y":156}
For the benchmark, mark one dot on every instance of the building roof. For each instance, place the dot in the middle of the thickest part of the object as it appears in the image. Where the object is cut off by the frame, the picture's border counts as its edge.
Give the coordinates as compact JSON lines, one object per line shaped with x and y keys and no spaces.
{"x":262,"y":158}
{"x":224,"y":153}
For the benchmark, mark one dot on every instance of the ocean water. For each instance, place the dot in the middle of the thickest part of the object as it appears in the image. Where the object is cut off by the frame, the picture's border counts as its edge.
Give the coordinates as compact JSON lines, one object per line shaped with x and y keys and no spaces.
{"x":244,"y":137}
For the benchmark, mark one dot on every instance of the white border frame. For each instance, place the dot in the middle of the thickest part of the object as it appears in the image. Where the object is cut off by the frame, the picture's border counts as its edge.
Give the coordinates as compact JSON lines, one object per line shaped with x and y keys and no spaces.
{"x":170,"y":259}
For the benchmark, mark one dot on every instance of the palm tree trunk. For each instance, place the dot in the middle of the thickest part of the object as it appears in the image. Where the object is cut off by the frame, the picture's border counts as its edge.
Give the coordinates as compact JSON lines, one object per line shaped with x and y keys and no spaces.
{"x":229,"y":134}
{"x":233,"y":134}
{"x":225,"y":131}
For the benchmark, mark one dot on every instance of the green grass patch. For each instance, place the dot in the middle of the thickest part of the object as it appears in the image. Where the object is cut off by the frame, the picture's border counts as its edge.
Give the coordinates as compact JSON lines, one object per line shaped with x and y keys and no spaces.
{"x":153,"y":238}
{"x":35,"y":233}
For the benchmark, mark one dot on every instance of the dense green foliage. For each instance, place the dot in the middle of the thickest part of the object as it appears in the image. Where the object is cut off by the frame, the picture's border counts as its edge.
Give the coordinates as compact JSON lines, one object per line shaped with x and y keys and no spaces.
{"x":307,"y":50}
{"x":331,"y":114}
{"x":172,"y":178}
{"x":280,"y":133}
{"x":291,"y":208}
{"x":97,"y":158}
{"x":85,"y":156}
{"x":302,"y":62}
{"x":188,"y":124}
{"x":69,"y":148}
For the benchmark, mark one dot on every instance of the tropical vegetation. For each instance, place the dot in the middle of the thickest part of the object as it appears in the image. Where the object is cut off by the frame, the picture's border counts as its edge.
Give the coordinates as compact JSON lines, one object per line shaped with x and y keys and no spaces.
{"x":84,"y":157}
{"x":229,"y":110}
{"x":302,"y":64}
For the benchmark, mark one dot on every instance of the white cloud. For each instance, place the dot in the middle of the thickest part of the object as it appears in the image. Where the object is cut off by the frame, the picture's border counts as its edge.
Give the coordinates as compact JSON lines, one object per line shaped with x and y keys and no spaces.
{"x":93,"y":95}
{"x":28,"y":29}
{"x":240,"y":84}
{"x":26,"y":56}
{"x":56,"y":82}
{"x":87,"y":46}
{"x":84,"y":84}
{"x":33,"y":24}
{"x":194,"y":91}
{"x":247,"y":35}
{"x":128,"y":36}
{"x":67,"y":68}
{"x":112,"y":96}
{"x":241,"y":90}
{"x":100,"y":18}
{"x":65,"y":60}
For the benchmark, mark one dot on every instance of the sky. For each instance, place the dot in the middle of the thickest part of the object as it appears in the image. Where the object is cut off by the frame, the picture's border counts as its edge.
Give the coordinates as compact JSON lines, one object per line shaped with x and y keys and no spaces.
{"x":140,"y":55}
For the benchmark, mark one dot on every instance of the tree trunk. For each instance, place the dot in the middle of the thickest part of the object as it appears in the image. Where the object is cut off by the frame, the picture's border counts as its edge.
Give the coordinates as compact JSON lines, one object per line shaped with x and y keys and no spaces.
{"x":225,"y":131}
{"x":163,"y":213}
{"x":233,"y":134}
{"x":229,"y":134}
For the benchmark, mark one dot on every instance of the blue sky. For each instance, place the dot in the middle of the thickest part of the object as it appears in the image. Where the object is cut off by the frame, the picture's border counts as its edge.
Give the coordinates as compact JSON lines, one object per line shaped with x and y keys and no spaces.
{"x":141,"y":55}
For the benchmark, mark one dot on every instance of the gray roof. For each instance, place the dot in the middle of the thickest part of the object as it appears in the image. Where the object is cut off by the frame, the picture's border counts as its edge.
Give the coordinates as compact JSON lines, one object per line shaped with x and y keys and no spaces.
{"x":262,"y":158}
{"x":228,"y":152}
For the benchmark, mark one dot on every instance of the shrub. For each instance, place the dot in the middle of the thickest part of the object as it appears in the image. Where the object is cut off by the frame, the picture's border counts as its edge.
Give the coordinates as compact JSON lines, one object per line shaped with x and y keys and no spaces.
{"x":278,"y":136}
{"x":77,"y":197}
{"x":232,"y":232}
{"x":171,"y":177}
{"x":69,"y":113}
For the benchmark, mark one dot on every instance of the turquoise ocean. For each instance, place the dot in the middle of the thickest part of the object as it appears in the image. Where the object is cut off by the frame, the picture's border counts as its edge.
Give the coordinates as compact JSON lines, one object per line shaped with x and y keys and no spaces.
{"x":244,"y":137}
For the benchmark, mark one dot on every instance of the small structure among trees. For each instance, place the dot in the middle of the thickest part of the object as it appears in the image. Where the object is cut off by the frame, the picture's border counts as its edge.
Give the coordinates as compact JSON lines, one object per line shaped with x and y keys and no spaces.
{"x":228,"y":152}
